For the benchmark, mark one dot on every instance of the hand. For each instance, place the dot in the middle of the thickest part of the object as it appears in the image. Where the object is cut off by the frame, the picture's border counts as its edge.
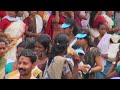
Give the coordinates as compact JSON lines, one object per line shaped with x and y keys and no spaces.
{"x":38,"y":34}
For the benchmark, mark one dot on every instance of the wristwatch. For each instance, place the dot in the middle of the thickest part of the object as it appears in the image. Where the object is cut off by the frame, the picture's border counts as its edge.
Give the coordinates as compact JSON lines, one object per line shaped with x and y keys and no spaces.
{"x":114,"y":62}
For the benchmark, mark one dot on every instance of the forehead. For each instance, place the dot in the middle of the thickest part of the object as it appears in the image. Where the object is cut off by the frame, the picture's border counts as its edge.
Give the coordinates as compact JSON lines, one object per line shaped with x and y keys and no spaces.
{"x":24,"y":59}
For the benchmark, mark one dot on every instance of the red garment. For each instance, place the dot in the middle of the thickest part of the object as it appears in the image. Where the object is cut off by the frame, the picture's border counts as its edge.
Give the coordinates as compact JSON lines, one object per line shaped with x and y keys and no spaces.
{"x":2,"y":14}
{"x":27,"y":21}
{"x":99,"y":19}
{"x":4,"y":24}
{"x":50,"y":29}
{"x":78,"y":20}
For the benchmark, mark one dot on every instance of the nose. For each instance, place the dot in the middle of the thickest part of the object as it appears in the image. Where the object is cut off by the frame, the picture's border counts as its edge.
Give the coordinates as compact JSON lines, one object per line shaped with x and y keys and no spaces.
{"x":21,"y":65}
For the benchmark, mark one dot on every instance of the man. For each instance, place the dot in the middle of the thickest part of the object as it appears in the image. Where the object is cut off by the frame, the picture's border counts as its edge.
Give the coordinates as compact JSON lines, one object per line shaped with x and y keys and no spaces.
{"x":26,"y":62}
{"x":2,"y":59}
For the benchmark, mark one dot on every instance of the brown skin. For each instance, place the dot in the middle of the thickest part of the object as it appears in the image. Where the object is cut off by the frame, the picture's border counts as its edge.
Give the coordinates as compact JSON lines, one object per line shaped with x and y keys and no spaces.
{"x":68,"y":31}
{"x":27,"y":65}
{"x":39,"y":47}
{"x":2,"y":49}
{"x":113,"y":66}
{"x":102,"y":31}
{"x":83,"y":42}
{"x":40,"y":50}
{"x":20,"y":13}
{"x":74,"y":75}
{"x":32,"y":17}
{"x":108,"y":29}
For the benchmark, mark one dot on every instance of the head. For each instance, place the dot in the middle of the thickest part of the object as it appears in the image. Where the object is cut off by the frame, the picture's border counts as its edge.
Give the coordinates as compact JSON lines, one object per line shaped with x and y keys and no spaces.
{"x":32,"y":13}
{"x":31,"y":43}
{"x":21,"y":46}
{"x":70,"y":27}
{"x":60,"y":46}
{"x":92,"y":16}
{"x":11,"y":13}
{"x":110,"y":13}
{"x":26,"y":62}
{"x":81,"y":53}
{"x":42,"y":44}
{"x":76,"y":12}
{"x":2,"y":47}
{"x":102,"y":29}
{"x":84,"y":38}
{"x":20,"y":13}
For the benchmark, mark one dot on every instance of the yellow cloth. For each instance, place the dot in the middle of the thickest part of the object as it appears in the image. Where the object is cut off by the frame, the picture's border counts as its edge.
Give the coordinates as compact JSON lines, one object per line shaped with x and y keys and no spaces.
{"x":16,"y":75}
{"x":35,"y":72}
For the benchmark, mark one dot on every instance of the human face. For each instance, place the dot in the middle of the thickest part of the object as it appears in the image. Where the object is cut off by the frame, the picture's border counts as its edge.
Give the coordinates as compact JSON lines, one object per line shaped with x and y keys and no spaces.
{"x":81,"y":56}
{"x":2,"y":49}
{"x":99,"y":12}
{"x":102,"y":30}
{"x":25,"y":66}
{"x":33,"y":12}
{"x":110,"y":13}
{"x":39,"y":47}
{"x":11,"y":13}
{"x":20,"y":13}
{"x":67,"y":31}
{"x":82,"y":42}
{"x":19,"y":50}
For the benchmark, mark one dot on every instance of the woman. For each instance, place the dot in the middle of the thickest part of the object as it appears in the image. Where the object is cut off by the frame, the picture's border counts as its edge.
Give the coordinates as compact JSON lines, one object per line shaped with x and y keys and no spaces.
{"x":109,"y":17}
{"x":96,"y":17}
{"x":115,"y":65}
{"x":70,"y":28}
{"x":42,"y":48}
{"x":103,"y":42}
{"x":92,"y":54}
{"x":53,"y":24}
{"x":13,"y":29}
{"x":58,"y":66}
{"x":34,"y":25}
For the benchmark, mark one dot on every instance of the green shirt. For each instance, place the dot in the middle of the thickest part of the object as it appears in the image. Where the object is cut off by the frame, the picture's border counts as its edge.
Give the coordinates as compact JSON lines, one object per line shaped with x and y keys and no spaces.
{"x":3,"y":62}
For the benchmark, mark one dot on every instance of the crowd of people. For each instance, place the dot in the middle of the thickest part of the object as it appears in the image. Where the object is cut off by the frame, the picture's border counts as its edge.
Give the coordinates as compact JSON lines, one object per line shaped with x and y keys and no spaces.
{"x":59,"y":44}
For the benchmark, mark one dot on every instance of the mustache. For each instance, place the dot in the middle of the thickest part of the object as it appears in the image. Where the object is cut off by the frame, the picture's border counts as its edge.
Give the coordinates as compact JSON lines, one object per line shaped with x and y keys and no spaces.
{"x":21,"y":69}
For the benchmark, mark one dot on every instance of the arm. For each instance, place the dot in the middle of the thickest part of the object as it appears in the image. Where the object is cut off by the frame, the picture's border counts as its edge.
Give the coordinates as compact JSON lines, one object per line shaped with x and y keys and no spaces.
{"x":85,"y":17}
{"x":114,"y":64}
{"x":56,"y":19}
{"x":74,"y":75}
{"x":113,"y":74}
{"x":98,"y":67}
{"x":30,"y":34}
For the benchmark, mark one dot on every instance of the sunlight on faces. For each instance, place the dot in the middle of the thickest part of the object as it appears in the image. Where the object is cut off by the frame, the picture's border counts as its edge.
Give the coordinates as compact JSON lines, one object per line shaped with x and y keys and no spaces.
{"x":25,"y":65}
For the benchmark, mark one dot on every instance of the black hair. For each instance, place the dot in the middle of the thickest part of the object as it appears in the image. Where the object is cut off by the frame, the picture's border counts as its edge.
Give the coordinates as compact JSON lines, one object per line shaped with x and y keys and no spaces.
{"x":98,"y":26}
{"x":23,"y":44}
{"x":92,"y":16}
{"x":2,"y":40}
{"x":76,"y":46}
{"x":61,"y":43}
{"x":88,"y":37}
{"x":31,"y":43}
{"x":45,"y":40}
{"x":73,"y":24}
{"x":29,"y":53}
